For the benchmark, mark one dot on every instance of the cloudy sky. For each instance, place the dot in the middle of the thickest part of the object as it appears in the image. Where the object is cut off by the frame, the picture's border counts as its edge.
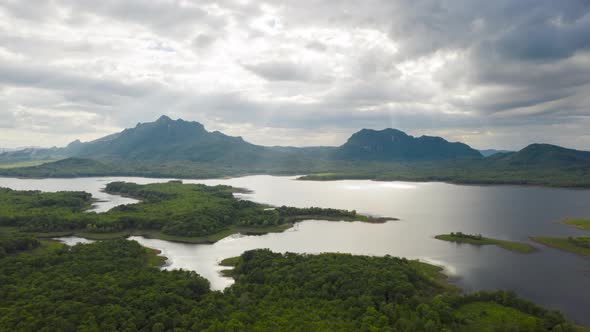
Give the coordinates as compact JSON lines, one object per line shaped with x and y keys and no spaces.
{"x":494,"y":74}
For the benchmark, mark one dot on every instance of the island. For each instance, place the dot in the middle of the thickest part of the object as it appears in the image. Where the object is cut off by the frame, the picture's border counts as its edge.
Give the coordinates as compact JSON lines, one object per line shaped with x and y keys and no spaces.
{"x":173,"y":211}
{"x":579,"y":245}
{"x":479,"y":240}
{"x":578,"y":223}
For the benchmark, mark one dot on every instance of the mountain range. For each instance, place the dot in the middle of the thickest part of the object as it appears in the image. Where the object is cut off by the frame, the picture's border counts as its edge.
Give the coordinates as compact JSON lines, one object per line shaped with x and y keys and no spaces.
{"x":178,"y":148}
{"x":179,"y":140}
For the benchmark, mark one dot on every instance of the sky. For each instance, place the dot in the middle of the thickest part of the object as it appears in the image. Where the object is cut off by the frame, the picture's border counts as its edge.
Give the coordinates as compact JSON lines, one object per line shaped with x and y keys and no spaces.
{"x":493,"y":74}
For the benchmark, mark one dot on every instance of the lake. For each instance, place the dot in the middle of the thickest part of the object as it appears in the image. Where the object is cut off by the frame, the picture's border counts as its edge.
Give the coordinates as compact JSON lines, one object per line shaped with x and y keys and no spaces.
{"x":548,"y":277}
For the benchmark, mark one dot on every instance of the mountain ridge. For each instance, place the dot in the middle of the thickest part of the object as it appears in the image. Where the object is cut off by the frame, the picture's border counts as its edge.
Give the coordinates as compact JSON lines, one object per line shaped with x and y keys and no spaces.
{"x":543,"y":154}
{"x":173,"y":140}
{"x":179,"y":148}
{"x":395,"y":145}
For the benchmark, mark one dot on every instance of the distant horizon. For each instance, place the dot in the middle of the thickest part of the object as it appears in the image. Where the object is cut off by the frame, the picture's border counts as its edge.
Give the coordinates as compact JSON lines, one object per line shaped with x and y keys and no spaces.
{"x":270,"y":145}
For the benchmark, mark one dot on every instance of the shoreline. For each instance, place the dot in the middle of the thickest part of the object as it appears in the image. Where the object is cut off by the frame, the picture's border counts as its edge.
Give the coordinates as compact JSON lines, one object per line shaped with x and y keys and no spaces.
{"x":562,"y":244}
{"x":299,"y":177}
{"x":208,"y":239}
{"x":457,"y":183}
{"x":516,"y":247}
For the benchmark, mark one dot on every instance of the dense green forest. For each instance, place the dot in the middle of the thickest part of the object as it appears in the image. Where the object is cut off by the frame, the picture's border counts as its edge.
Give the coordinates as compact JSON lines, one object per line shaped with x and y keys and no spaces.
{"x":173,"y":208}
{"x":39,"y":211}
{"x":12,"y":243}
{"x":491,"y":170}
{"x":474,"y":171}
{"x":111,"y":285}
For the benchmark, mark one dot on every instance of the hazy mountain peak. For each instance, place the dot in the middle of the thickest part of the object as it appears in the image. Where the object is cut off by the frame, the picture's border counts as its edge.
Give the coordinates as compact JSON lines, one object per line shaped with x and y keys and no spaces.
{"x":392,"y":144}
{"x":391,"y":132}
{"x":74,"y":143}
{"x":164,"y":118}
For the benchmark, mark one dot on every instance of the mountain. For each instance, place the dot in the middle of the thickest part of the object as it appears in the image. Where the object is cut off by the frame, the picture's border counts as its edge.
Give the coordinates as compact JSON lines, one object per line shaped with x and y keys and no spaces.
{"x":395,"y":145}
{"x":490,"y":152}
{"x":160,"y":141}
{"x":183,"y":149}
{"x":167,"y":140}
{"x":543,"y":155}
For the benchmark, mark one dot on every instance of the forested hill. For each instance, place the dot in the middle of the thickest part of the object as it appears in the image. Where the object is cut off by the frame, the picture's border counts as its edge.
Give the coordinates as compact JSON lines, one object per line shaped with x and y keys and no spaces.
{"x":165,"y":140}
{"x":543,"y":155}
{"x":395,"y":145}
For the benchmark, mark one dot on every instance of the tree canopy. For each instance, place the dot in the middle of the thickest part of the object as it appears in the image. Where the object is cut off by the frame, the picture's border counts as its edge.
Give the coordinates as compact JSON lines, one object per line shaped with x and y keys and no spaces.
{"x":110,"y":286}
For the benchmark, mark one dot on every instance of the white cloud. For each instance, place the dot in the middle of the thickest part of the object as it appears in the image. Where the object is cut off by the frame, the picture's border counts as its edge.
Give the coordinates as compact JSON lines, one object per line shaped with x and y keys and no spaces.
{"x":297,"y":72}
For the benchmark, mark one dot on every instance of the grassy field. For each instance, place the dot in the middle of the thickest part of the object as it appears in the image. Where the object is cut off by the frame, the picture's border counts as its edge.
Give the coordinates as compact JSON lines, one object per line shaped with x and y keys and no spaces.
{"x":508,"y":245}
{"x":490,"y":316}
{"x":231,"y":263}
{"x":154,"y":258}
{"x":567,"y":244}
{"x":578,"y":223}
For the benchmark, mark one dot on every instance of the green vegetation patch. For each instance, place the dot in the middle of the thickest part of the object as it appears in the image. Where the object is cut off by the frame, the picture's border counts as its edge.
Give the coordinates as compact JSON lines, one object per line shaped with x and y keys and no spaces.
{"x":231,"y":261}
{"x":479,"y":240}
{"x":578,"y":223}
{"x":496,"y":170}
{"x":112,"y":286}
{"x":173,"y":211}
{"x":579,"y":245}
{"x":11,"y":243}
{"x":492,"y":317}
{"x":154,"y":257}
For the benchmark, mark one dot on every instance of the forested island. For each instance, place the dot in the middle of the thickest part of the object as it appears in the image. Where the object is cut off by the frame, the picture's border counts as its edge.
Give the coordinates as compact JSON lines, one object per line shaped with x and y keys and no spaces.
{"x":171,"y":211}
{"x":479,"y":240}
{"x":112,"y":285}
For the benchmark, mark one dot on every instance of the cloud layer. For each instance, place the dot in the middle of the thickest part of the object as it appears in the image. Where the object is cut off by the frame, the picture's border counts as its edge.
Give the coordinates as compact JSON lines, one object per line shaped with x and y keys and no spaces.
{"x":497,"y":74}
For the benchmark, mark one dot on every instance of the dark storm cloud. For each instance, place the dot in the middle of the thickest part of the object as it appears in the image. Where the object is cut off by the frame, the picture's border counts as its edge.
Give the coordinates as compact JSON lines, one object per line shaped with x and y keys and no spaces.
{"x":520,"y":30}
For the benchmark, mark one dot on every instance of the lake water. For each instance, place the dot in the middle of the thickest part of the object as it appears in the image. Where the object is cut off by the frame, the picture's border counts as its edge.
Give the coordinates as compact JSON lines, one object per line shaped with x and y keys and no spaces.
{"x":548,"y":277}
